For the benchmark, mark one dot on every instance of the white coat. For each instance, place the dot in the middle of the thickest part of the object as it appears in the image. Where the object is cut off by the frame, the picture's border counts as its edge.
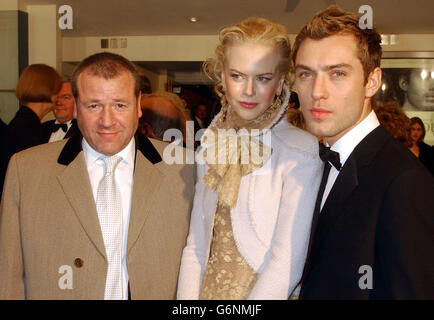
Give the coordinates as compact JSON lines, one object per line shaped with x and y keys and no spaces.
{"x":271,"y":221}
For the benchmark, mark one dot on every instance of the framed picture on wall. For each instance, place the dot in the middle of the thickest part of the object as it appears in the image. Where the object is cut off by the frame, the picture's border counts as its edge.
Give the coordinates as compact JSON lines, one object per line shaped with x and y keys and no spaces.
{"x":408,"y":79}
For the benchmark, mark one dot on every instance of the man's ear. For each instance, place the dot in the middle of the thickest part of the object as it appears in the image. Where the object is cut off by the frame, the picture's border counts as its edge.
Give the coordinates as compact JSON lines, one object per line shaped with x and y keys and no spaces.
{"x":373,"y":83}
{"x":403,"y":82}
{"x":139,"y":107}
{"x":146,"y":130}
{"x":74,"y":113}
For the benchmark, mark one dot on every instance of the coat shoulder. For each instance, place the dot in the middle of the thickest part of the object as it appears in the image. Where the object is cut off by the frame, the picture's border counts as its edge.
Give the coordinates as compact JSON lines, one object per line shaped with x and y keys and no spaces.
{"x":295,"y":139}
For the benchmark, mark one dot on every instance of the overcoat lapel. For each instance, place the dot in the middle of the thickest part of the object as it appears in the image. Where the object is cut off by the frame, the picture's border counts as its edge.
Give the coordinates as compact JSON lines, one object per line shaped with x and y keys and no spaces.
{"x":147,"y":179}
{"x":75,"y":183}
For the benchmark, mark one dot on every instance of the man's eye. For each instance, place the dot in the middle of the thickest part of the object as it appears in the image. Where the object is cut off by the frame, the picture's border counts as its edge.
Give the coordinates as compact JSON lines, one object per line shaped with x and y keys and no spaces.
{"x":120,"y":106}
{"x":338,"y":74}
{"x":303,"y":74}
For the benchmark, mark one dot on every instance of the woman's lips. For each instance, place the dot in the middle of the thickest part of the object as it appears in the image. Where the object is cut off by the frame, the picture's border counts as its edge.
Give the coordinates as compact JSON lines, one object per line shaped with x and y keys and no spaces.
{"x":248,"y":105}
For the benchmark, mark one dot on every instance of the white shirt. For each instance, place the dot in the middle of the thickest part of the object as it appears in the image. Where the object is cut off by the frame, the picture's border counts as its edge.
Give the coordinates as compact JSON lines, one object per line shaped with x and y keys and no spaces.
{"x":345,"y":146}
{"x":60,"y":134}
{"x":124,"y":176}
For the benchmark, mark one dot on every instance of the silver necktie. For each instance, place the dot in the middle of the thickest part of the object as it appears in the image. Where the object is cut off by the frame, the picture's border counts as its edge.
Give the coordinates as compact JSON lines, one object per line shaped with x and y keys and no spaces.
{"x":109,"y":208}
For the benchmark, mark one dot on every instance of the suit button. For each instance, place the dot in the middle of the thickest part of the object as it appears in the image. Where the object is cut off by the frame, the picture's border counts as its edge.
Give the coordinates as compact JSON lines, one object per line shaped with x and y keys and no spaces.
{"x":78,"y":263}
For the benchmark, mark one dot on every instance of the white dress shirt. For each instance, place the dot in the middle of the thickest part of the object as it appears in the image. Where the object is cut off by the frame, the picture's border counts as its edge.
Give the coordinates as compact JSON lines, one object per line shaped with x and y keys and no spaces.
{"x":124,"y":176}
{"x":60,"y":134}
{"x":345,"y":146}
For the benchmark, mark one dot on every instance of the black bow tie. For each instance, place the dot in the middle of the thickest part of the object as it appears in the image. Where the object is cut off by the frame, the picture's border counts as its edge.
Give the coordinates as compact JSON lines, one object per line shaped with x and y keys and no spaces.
{"x":329,"y":155}
{"x":57,"y":126}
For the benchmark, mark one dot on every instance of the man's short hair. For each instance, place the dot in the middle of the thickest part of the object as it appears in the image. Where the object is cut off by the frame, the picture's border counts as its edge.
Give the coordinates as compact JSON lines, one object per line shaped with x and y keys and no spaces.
{"x":159,"y":123}
{"x":108,"y":66}
{"x":335,"y":21}
{"x":177,"y":102}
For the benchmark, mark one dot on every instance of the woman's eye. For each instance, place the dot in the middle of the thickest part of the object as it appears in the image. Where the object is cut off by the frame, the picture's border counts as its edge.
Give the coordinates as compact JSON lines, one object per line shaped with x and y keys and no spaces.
{"x":235,"y":76}
{"x":264,"y":79}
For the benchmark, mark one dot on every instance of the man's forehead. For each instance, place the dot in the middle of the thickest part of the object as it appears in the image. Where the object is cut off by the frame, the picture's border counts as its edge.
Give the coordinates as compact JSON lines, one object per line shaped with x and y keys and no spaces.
{"x":66,"y":87}
{"x":336,"y":50}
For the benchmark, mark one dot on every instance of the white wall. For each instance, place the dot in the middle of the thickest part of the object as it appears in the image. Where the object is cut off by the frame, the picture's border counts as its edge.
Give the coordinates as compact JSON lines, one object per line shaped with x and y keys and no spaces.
{"x":44,"y":36}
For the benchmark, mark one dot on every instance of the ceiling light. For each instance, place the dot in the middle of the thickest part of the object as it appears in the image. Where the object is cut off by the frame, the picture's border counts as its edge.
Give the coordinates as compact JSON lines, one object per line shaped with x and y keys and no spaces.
{"x":193,"y":19}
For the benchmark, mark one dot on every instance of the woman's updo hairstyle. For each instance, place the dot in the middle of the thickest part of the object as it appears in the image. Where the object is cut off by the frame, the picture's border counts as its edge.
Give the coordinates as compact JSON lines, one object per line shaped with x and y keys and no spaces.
{"x":250,"y":30}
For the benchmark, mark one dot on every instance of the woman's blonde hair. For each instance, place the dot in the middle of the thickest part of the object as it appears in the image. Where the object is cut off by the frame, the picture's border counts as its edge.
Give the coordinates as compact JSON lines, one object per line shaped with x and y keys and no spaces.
{"x":250,"y":30}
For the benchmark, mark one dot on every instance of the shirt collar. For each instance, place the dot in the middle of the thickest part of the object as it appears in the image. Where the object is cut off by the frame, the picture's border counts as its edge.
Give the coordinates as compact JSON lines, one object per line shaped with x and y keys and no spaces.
{"x":346,"y":144}
{"x":68,"y":123}
{"x":91,"y":156}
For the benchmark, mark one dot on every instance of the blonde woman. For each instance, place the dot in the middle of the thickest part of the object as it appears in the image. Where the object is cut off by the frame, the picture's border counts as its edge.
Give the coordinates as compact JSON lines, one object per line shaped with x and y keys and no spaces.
{"x":257,"y":185}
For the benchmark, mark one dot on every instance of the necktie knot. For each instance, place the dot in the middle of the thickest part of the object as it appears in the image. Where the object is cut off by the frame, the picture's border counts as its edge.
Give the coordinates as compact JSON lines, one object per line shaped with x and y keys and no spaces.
{"x":58,"y":126}
{"x":110,"y":164}
{"x":328,"y":155}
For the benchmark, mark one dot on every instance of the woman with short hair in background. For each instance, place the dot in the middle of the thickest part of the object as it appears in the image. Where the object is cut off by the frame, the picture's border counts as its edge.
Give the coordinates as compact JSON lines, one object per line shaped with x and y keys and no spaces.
{"x":36,"y":90}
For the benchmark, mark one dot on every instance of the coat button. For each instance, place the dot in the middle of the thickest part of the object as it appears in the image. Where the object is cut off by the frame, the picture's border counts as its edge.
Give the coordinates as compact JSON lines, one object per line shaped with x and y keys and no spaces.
{"x":78,"y":263}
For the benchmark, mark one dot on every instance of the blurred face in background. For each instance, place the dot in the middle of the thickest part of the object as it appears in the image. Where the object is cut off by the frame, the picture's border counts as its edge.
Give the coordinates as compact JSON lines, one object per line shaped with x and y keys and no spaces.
{"x":64,"y":103}
{"x":419,"y":88}
{"x":201,"y":112}
{"x":416,"y":132}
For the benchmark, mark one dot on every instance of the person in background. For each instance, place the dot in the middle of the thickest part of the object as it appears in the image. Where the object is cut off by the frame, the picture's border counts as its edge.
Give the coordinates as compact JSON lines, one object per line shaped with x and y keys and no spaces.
{"x":250,"y":222}
{"x":394,"y":120}
{"x":36,"y":90}
{"x":3,"y":127}
{"x":97,"y":216}
{"x":294,"y":115}
{"x":373,"y":224}
{"x":162,"y":111}
{"x":418,"y":85}
{"x":420,"y":149}
{"x":64,"y":126}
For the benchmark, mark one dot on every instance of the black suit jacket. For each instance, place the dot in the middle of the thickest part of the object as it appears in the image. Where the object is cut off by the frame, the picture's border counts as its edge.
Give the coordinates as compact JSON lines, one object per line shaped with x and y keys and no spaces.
{"x":379,"y":214}
{"x":24,"y":131}
{"x":47,"y":129}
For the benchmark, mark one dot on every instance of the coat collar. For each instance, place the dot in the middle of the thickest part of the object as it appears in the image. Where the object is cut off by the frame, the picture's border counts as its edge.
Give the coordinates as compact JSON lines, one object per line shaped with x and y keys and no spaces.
{"x":81,"y":199}
{"x":73,"y":147}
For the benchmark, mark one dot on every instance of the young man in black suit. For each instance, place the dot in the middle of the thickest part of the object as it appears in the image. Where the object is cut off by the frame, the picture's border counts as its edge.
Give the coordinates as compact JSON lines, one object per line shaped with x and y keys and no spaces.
{"x":373,"y":227}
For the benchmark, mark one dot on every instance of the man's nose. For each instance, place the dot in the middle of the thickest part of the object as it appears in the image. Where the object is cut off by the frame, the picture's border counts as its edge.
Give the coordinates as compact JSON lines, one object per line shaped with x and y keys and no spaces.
{"x":319,"y":87}
{"x":107,"y":117}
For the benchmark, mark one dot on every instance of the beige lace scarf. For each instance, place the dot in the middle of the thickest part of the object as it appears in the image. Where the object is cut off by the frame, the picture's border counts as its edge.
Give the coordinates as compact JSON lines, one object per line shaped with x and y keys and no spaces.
{"x":233,"y":149}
